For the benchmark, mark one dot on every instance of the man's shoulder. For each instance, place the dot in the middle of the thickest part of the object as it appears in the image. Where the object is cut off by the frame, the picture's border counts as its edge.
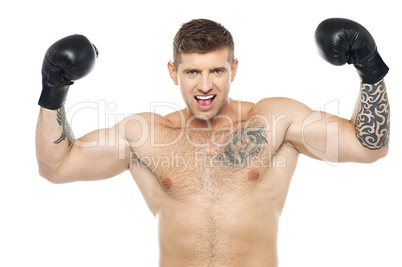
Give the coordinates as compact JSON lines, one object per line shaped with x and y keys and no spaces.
{"x":140,"y":124}
{"x":144,"y":117}
{"x":274,"y":105}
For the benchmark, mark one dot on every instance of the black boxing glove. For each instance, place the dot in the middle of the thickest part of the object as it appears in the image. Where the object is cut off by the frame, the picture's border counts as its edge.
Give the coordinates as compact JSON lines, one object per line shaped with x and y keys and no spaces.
{"x":66,"y":61}
{"x":343,"y":41}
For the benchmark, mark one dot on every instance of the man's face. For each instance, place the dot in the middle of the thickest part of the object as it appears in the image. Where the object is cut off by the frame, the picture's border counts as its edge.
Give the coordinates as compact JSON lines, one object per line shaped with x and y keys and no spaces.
{"x":204,"y":81}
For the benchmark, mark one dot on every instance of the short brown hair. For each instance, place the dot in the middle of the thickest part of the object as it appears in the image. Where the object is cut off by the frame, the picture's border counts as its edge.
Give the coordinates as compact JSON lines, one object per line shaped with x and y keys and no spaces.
{"x":202,"y":36}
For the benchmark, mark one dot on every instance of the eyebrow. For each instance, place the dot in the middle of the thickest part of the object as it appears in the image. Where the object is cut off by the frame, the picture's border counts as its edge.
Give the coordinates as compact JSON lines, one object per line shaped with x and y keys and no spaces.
{"x":199,"y":70}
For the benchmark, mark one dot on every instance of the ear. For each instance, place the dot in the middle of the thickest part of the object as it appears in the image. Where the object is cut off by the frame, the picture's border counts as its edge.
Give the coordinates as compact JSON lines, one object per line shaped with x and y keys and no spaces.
{"x":234,"y":69}
{"x":172,"y":72}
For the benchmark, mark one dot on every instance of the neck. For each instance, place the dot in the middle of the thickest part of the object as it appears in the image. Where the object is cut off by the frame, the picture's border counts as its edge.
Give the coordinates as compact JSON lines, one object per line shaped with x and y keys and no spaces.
{"x":230,"y":114}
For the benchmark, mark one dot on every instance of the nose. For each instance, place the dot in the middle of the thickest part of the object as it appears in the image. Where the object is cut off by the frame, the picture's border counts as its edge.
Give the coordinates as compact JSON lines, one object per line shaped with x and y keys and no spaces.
{"x":204,"y":83}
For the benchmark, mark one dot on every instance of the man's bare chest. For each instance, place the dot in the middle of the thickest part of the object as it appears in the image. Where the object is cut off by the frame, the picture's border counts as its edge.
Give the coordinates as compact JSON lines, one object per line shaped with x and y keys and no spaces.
{"x":208,"y":163}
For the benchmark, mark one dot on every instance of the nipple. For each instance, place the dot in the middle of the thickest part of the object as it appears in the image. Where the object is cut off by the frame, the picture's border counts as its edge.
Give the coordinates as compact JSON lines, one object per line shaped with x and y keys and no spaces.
{"x":253,"y":175}
{"x":167,"y":183}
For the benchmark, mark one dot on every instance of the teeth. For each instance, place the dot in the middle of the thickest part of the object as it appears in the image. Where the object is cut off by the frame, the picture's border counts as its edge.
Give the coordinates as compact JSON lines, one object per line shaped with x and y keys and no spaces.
{"x":204,"y":97}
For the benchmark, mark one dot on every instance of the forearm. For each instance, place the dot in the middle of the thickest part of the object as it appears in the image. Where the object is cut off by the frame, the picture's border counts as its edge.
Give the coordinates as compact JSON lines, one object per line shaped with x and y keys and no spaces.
{"x":371,"y":116}
{"x":54,"y":140}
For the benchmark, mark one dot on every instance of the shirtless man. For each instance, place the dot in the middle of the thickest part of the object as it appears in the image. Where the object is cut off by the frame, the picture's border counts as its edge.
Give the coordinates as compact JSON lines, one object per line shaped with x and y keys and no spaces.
{"x":215,"y":174}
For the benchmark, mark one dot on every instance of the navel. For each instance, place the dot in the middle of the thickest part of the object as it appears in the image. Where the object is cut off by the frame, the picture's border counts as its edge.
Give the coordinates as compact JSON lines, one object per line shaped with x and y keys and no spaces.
{"x":167,"y":183}
{"x":253,"y":175}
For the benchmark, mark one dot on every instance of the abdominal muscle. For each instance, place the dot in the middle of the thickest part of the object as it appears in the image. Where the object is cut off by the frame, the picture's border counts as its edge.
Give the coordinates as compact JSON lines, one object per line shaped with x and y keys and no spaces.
{"x":236,"y":230}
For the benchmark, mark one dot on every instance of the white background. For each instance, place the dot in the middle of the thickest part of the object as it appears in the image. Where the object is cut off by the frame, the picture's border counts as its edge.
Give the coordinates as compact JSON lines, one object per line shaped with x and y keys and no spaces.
{"x":343,"y":215}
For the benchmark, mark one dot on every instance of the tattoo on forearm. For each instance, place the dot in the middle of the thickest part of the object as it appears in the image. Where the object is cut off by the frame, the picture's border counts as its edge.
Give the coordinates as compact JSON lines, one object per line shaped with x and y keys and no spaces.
{"x":373,"y":116}
{"x":66,"y":132}
{"x":245,"y":143}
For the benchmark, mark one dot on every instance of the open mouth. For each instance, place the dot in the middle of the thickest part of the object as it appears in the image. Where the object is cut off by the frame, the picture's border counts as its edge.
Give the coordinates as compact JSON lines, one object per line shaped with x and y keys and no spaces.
{"x":205,"y":102}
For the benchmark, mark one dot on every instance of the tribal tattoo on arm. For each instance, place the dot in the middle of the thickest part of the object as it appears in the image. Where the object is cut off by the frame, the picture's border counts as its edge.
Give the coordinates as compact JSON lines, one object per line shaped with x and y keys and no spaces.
{"x":66,"y":132}
{"x":373,"y":116}
{"x":244,"y":144}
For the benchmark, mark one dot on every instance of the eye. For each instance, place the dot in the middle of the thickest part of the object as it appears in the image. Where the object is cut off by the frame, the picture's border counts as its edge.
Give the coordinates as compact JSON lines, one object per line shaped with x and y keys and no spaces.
{"x":218,"y":71}
{"x":192,"y":72}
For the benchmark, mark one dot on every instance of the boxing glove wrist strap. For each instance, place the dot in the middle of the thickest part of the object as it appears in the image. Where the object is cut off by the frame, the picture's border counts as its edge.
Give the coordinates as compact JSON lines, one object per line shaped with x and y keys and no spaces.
{"x":373,"y":70}
{"x":52,"y":98}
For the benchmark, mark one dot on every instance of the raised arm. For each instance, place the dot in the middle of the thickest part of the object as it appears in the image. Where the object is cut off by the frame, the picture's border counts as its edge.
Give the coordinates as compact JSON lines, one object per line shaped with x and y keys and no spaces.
{"x":62,"y":158}
{"x":365,"y":137}
{"x":100,"y":154}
